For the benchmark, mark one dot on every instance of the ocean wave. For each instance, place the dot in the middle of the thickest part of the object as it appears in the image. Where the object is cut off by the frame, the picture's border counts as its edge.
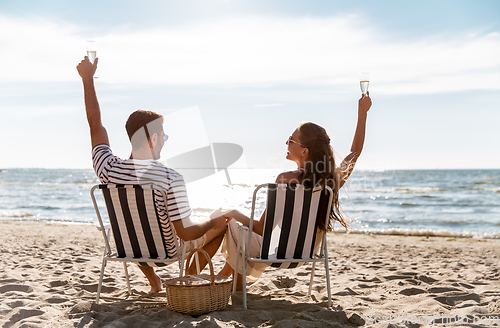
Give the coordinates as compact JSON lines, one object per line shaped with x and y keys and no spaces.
{"x":87,"y":181}
{"x":378,"y":191}
{"x":426,"y":233}
{"x":57,"y":221}
{"x":48,"y":184}
{"x":41,"y":207}
{"x":409,"y":204}
{"x":418,"y":190}
{"x":8,"y":214}
{"x":442,"y":224}
{"x":493,"y":183}
{"x":200,"y":210}
{"x":423,"y":190}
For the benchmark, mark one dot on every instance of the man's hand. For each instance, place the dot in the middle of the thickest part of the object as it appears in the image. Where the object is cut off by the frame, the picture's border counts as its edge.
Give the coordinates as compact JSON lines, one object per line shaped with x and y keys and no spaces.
{"x":220,"y":223}
{"x":86,"y":69}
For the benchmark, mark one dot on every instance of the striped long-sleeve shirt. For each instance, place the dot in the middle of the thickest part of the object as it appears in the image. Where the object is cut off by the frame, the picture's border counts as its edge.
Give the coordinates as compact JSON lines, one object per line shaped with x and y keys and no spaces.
{"x":114,"y":170}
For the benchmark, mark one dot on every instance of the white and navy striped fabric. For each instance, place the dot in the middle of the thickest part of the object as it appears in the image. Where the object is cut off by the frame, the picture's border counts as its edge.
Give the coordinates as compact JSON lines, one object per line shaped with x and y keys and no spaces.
{"x":111,"y":169}
{"x":290,"y":223}
{"x":137,"y":229}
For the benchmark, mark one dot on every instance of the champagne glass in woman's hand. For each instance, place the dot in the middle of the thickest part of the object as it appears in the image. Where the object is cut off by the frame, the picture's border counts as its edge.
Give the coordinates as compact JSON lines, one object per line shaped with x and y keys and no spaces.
{"x":364,"y":81}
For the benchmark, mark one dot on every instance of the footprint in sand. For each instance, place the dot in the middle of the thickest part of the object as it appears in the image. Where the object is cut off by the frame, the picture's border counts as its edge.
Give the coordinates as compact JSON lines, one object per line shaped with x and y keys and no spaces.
{"x":412,"y":291}
{"x":20,"y":314}
{"x":365,"y":279}
{"x":457,"y":299}
{"x":461,"y":284}
{"x":494,"y":307}
{"x":57,"y":300}
{"x":426,"y":279}
{"x":410,"y":281}
{"x":65,"y":261}
{"x":92,"y":288}
{"x":439,"y":290}
{"x":15,"y":288}
{"x":58,"y":283}
{"x":15,"y":304}
{"x":346,"y":292}
{"x":396,"y":277}
{"x":284,"y":282}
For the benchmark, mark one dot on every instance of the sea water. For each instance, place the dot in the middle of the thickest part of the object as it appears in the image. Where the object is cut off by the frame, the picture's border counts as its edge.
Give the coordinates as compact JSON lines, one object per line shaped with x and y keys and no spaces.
{"x":412,"y":202}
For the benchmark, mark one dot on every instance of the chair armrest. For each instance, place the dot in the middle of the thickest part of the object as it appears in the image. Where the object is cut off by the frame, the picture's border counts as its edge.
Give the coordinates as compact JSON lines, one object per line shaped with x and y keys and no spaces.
{"x":106,"y":227}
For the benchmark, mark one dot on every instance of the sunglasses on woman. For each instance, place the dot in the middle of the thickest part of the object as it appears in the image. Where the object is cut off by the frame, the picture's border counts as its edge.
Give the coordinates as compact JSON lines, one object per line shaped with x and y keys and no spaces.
{"x":291,"y":140}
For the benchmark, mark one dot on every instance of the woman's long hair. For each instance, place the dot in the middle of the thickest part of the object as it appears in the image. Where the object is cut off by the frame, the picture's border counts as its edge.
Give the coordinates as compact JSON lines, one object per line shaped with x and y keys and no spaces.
{"x":320,"y":168}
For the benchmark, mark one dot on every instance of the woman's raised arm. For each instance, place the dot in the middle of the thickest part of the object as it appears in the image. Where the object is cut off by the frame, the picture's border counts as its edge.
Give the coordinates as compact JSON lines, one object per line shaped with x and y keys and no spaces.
{"x":347,"y":165}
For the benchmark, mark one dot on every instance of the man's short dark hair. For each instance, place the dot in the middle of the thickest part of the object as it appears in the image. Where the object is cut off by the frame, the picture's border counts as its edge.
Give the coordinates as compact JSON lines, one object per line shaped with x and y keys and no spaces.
{"x":141,"y":118}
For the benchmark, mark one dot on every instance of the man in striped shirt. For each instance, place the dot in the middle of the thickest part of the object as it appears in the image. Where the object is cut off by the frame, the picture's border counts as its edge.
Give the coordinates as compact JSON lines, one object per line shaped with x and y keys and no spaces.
{"x":145,"y":131}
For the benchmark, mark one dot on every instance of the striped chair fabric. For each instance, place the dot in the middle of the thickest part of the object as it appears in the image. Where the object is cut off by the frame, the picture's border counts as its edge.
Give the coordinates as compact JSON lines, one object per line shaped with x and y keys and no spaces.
{"x":140,"y":238}
{"x":137,"y":229}
{"x":290,"y":224}
{"x":290,"y":230}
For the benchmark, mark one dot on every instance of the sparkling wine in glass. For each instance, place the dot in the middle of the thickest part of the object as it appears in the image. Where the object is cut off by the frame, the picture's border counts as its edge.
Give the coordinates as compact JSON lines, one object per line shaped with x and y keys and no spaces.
{"x":364,"y":81}
{"x":91,"y":50}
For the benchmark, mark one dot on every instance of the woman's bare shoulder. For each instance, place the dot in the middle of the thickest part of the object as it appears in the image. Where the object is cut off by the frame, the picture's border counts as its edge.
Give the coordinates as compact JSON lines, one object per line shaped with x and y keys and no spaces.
{"x":289,"y":177}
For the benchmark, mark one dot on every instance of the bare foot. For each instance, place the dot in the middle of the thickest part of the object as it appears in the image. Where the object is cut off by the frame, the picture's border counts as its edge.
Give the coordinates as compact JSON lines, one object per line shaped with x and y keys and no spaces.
{"x":153,"y":278}
{"x":156,"y":286}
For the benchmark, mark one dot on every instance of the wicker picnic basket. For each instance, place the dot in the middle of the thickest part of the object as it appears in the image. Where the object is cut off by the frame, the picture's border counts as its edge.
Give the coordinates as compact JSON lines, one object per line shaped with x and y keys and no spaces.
{"x":198,"y":294}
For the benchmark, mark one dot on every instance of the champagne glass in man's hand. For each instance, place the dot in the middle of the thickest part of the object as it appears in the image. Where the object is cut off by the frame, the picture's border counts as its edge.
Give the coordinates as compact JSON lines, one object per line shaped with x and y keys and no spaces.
{"x":91,"y":51}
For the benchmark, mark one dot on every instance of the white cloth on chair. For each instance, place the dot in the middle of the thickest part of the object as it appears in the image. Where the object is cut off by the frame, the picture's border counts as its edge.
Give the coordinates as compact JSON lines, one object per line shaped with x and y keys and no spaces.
{"x":229,"y":245}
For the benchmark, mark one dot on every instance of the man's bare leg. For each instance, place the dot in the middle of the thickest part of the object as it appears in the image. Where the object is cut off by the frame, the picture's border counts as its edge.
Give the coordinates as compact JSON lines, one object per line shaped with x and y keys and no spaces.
{"x":211,"y":248}
{"x":214,"y":240}
{"x":153,"y":278}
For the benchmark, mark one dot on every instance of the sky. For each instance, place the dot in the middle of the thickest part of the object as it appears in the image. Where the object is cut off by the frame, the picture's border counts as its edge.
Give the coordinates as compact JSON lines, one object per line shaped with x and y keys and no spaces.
{"x":249,"y":72}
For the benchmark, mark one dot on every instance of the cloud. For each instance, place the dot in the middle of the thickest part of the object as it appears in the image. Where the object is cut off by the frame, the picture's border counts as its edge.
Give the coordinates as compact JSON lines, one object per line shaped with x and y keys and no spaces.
{"x":37,"y":49}
{"x":255,"y":51}
{"x":268,"y":105}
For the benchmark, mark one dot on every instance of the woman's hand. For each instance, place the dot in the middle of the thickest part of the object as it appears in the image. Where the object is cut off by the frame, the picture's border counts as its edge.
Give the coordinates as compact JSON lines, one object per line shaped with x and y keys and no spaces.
{"x":364,"y":104}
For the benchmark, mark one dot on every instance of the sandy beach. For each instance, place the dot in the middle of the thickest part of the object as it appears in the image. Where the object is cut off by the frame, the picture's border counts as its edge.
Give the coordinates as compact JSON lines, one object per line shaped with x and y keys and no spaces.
{"x":49,"y":275}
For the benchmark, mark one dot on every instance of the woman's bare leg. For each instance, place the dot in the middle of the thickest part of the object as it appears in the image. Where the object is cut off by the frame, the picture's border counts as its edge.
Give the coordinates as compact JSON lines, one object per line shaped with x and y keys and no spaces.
{"x":228,"y":271}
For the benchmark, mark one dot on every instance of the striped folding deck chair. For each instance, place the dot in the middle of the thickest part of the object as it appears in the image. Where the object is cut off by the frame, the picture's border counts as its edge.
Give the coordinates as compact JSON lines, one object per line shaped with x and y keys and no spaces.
{"x":290,"y":230}
{"x":136,"y":228}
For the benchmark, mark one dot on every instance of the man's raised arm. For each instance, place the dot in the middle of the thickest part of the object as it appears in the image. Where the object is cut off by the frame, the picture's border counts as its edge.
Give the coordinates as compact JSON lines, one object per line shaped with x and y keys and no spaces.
{"x":98,"y":134}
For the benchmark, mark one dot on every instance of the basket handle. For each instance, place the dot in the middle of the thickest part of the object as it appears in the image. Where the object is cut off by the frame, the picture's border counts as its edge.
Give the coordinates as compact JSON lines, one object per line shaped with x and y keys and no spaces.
{"x":188,"y":260}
